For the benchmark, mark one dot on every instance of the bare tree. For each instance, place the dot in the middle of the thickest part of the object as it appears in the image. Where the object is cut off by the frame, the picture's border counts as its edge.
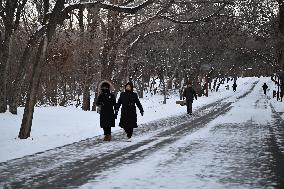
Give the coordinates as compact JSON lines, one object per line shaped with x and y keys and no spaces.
{"x":49,"y":24}
{"x":10,"y":12}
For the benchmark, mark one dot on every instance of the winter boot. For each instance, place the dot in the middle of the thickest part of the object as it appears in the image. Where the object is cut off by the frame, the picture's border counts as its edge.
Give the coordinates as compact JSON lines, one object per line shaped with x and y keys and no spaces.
{"x":129,"y":139}
{"x":106,"y":138}
{"x":109,"y":138}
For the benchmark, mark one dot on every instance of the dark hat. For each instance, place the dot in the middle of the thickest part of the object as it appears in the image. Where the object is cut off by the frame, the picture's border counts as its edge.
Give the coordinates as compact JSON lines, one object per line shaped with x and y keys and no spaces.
{"x":105,"y":85}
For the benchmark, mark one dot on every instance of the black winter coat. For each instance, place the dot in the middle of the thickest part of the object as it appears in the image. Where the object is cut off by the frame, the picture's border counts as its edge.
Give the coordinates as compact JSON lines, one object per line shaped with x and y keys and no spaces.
{"x":107,"y":103}
{"x":129,"y":101}
{"x":189,"y":93}
{"x":264,"y":86}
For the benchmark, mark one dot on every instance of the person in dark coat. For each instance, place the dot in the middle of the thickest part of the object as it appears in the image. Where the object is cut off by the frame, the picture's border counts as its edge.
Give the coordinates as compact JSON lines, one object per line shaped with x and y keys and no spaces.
{"x":106,"y":101}
{"x":129,"y":100}
{"x":265,"y":87}
{"x":234,"y":86}
{"x":189,"y":94}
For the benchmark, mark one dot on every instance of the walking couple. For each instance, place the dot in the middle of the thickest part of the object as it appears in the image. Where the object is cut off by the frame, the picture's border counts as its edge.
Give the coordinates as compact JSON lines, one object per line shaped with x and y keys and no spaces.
{"x":109,"y":109}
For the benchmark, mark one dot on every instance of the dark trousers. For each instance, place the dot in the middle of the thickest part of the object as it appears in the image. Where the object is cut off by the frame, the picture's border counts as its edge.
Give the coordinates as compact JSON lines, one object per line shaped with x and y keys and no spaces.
{"x":264,"y":92}
{"x":189,"y":106}
{"x":129,"y":132}
{"x":107,"y":130}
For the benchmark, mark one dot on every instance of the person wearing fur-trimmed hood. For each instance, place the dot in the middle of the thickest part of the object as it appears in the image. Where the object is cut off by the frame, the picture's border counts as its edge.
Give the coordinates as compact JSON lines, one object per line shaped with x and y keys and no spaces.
{"x":106,"y":101}
{"x":129,"y":100}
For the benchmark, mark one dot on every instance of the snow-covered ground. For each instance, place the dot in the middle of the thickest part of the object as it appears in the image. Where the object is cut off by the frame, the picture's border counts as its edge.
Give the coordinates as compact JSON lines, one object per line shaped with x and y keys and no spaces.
{"x":57,"y":126}
{"x":233,"y":140}
{"x":232,"y":151}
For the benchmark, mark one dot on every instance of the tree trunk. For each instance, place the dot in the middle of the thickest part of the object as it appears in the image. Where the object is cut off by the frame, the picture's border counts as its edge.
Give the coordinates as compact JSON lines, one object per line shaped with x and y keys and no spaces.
{"x":170,"y":83}
{"x":21,"y":75}
{"x":94,"y":106}
{"x":86,"y":98}
{"x":140,"y":85}
{"x":13,"y":103}
{"x":164,"y":92}
{"x":86,"y":91}
{"x":109,"y":52}
{"x":281,"y":29}
{"x":64,"y":99}
{"x":11,"y":20}
{"x":4,"y":60}
{"x":33,"y":90}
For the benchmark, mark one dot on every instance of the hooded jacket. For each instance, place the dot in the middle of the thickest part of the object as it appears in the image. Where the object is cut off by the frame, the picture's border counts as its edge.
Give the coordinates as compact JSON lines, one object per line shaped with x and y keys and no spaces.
{"x":128,"y":100}
{"x":106,"y":101}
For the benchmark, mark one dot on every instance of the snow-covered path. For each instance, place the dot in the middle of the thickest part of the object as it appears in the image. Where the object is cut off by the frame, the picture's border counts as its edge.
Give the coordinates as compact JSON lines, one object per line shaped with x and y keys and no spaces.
{"x":240,"y":149}
{"x":235,"y":142}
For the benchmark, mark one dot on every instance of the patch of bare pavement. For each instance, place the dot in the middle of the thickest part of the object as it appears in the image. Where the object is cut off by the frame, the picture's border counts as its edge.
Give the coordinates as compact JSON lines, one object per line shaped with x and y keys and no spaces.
{"x":76,"y":164}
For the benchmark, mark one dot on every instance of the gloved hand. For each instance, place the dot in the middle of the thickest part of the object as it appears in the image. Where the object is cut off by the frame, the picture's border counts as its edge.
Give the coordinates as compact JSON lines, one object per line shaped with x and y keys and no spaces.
{"x":142,"y":113}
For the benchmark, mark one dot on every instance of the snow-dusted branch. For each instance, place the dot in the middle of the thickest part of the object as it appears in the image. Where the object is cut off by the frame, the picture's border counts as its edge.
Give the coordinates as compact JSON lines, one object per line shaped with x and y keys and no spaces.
{"x":143,"y":36}
{"x":202,"y":2}
{"x":204,"y":19}
{"x":127,"y":2}
{"x":123,"y":9}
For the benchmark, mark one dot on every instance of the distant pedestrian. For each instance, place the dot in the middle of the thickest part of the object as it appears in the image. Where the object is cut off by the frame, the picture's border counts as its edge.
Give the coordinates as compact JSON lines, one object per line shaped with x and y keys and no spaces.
{"x":189,"y":94}
{"x":106,"y":102}
{"x":265,"y":87}
{"x":234,"y":87}
{"x":129,"y":100}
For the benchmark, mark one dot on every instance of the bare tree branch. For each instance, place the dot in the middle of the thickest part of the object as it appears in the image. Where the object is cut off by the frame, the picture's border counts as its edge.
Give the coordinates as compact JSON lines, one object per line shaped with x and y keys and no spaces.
{"x":143,"y":24}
